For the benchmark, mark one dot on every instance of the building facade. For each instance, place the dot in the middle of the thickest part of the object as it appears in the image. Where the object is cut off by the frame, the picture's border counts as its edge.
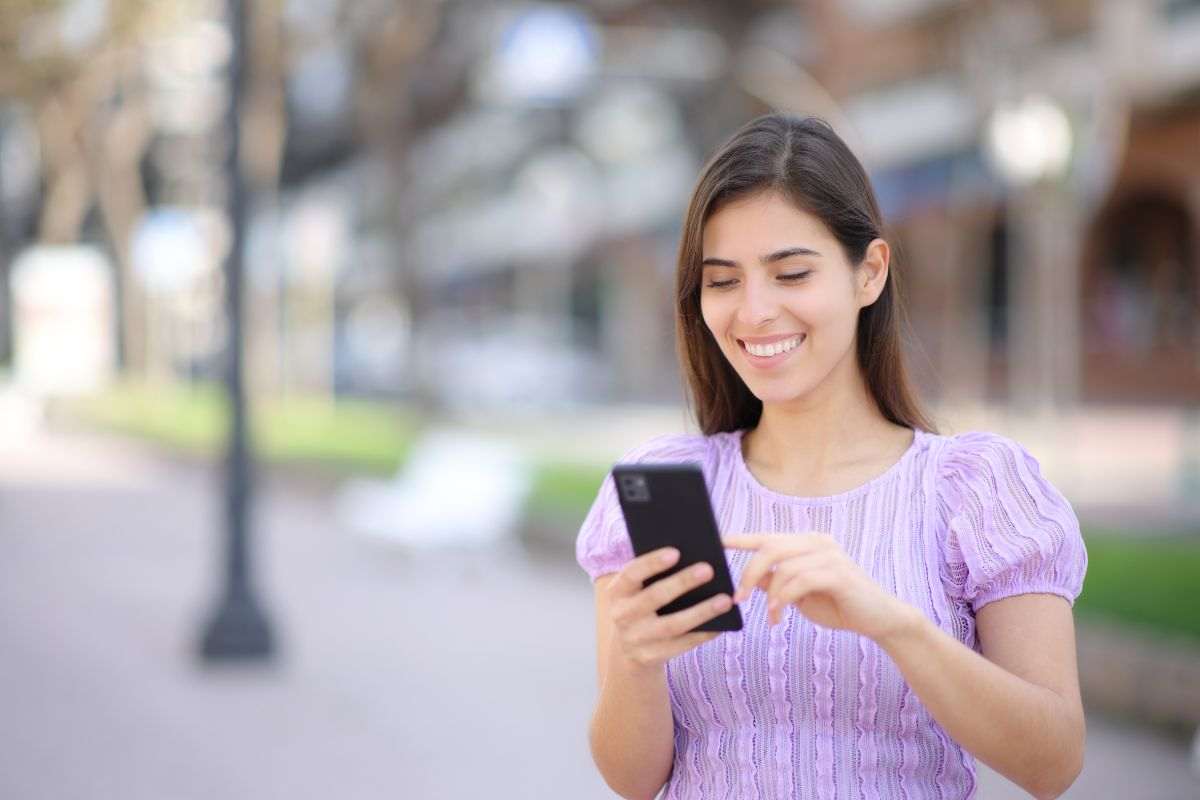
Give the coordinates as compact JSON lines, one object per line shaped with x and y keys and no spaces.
{"x":1075,"y":284}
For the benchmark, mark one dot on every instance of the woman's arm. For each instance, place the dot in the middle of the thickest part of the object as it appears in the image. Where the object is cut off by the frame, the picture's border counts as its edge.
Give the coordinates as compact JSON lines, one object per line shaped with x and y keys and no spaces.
{"x":1018,"y":709}
{"x":632,"y":732}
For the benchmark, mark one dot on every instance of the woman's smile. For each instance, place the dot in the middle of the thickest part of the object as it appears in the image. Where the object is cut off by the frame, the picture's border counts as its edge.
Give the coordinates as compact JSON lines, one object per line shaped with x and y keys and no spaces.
{"x":769,"y":356}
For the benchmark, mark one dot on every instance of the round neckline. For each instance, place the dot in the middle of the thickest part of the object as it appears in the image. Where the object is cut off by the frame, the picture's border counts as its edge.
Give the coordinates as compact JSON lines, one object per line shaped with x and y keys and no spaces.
{"x":740,"y":462}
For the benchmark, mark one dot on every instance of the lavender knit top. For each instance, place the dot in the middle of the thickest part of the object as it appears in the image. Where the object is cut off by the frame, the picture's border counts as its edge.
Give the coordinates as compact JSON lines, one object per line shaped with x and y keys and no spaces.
{"x":801,"y":711}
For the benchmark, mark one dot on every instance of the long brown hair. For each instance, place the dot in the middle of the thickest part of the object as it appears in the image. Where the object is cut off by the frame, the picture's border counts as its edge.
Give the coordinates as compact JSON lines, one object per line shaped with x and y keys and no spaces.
{"x":804,"y":160}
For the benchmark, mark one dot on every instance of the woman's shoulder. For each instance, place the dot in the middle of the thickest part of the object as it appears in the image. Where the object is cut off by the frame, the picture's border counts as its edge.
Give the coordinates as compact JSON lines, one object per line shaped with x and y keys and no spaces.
{"x":971,"y":451}
{"x":603,"y":545}
{"x":676,"y":447}
{"x":1006,"y":528}
{"x":986,"y":463}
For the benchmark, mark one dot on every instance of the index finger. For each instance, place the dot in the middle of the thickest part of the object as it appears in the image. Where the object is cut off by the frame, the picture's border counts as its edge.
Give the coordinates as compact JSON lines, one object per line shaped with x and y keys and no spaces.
{"x":746,"y":541}
{"x":644,"y":566}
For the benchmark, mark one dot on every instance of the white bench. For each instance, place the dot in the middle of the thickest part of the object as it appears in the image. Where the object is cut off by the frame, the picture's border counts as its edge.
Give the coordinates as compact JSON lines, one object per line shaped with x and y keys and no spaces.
{"x":456,"y":489}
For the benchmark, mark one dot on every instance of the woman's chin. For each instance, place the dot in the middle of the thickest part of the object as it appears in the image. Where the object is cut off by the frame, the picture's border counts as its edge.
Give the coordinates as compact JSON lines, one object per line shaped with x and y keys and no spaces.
{"x":775,"y":395}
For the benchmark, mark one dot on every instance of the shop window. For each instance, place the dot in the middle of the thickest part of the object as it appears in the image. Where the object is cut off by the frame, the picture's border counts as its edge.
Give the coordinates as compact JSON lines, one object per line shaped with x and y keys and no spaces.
{"x":1141,"y":297}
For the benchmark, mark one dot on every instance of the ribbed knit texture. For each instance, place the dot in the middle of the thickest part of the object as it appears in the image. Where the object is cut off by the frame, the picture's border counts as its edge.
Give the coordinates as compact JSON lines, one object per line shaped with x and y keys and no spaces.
{"x":801,"y":711}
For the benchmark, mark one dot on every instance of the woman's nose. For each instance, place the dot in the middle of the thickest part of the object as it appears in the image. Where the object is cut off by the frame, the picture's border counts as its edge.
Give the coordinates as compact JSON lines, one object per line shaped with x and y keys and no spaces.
{"x":759,"y":304}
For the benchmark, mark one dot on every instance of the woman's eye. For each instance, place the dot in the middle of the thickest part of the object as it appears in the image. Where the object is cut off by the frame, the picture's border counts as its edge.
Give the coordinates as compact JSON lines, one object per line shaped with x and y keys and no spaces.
{"x":793,"y":276}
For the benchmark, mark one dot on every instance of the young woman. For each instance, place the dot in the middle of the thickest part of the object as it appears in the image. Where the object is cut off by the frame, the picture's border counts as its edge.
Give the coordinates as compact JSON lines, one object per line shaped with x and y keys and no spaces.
{"x":906,"y":596}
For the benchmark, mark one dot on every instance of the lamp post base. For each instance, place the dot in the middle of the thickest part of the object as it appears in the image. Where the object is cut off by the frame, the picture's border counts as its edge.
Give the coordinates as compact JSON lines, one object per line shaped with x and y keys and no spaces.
{"x":238,"y":631}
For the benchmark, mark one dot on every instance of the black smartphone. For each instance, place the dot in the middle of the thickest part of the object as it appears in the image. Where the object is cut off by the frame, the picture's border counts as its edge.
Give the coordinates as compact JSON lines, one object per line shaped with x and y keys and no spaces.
{"x":667,"y":505}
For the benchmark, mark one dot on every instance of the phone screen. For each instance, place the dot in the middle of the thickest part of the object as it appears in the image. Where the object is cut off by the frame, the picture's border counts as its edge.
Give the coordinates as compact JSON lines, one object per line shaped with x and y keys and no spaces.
{"x":668,"y":505}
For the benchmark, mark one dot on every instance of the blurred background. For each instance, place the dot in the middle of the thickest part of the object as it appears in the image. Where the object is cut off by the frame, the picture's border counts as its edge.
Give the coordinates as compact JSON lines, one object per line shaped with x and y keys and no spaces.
{"x":451,"y":226}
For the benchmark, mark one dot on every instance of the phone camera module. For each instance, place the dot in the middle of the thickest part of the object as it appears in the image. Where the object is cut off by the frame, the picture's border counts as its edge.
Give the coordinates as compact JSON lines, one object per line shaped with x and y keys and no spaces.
{"x":634,"y":488}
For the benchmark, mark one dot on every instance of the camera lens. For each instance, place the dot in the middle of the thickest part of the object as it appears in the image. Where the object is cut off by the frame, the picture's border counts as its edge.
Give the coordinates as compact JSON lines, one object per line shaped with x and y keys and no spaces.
{"x":634,"y":488}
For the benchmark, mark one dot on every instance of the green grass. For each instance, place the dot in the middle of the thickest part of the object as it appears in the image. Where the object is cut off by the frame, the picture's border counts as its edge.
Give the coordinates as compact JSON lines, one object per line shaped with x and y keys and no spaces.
{"x":352,"y":436}
{"x":347,"y":436}
{"x":1148,"y":582}
{"x":565,"y":491}
{"x":188,"y":418}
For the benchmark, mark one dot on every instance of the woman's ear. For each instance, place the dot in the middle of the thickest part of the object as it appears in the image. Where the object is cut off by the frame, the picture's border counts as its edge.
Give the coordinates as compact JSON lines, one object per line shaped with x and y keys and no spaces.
{"x":872,"y":272}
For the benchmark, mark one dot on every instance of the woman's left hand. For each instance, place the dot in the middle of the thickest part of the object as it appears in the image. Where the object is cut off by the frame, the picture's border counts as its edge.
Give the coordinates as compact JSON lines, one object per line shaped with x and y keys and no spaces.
{"x":813,"y":573}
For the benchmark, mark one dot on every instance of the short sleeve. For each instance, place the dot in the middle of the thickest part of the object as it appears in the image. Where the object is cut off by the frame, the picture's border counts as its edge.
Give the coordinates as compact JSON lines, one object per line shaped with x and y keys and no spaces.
{"x":603,"y":545}
{"x":1008,"y":531}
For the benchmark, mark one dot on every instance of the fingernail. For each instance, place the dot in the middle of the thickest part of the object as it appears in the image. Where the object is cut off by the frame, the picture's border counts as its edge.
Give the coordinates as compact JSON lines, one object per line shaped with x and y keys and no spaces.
{"x":700,"y":570}
{"x":721,"y":603}
{"x":669,"y":556}
{"x":739,"y":596}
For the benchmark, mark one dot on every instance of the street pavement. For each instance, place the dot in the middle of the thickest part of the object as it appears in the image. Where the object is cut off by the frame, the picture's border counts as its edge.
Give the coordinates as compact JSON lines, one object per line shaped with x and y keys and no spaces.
{"x":461,"y":674}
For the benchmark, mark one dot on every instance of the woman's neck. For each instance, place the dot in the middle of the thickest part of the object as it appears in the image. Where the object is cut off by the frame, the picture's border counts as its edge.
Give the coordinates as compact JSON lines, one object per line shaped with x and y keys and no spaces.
{"x":821,"y":435}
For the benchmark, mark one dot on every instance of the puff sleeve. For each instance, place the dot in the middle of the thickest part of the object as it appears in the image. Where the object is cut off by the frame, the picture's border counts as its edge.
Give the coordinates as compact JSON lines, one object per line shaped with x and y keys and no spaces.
{"x":1007,"y":530}
{"x":603,"y":545}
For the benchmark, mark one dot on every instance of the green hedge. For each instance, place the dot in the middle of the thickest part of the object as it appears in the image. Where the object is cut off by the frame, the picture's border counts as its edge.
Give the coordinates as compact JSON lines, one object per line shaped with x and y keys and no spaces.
{"x":1146,"y":581}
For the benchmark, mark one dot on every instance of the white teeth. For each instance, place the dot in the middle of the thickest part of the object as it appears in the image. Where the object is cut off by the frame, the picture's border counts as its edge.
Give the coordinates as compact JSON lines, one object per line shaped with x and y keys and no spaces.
{"x":773,"y":348}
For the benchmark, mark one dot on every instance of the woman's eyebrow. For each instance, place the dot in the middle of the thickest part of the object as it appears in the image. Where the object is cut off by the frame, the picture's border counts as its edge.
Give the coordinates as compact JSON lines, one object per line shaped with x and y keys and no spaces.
{"x":770,"y":258}
{"x":780,"y":255}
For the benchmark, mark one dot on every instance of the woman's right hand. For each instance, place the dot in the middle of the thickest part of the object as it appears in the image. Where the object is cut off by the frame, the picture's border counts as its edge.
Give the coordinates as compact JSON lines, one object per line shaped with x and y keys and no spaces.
{"x":642,"y":636}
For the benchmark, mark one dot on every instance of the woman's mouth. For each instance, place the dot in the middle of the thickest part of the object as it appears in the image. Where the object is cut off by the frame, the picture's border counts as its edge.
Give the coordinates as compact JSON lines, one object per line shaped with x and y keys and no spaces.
{"x":769,"y":355}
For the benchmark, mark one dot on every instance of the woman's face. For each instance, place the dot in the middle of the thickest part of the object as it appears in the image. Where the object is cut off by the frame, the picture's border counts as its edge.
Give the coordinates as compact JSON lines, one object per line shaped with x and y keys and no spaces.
{"x":780,"y":297}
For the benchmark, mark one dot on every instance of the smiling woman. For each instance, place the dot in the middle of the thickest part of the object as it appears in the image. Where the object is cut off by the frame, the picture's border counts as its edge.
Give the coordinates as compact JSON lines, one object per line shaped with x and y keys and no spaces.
{"x":906,"y":596}
{"x":797,"y":194}
{"x":813,"y":295}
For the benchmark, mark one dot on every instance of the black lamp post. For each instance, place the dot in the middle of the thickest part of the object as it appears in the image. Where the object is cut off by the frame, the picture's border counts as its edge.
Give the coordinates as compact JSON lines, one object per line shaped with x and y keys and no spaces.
{"x":238,"y":629}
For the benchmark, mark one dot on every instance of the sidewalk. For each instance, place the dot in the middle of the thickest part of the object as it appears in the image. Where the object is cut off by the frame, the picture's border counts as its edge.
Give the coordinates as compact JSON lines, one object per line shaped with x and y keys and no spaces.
{"x":401,"y":675}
